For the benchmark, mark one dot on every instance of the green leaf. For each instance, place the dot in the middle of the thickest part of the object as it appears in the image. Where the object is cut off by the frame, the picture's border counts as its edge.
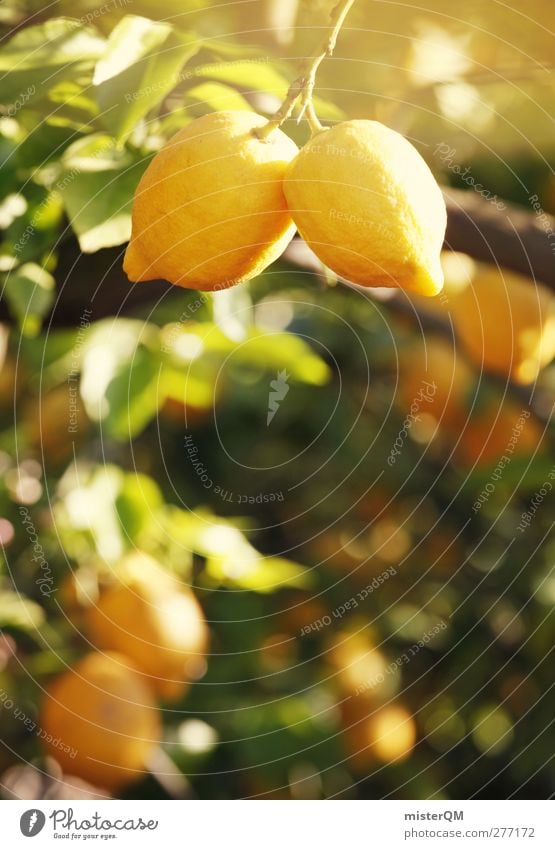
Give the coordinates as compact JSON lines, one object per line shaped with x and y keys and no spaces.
{"x":137,"y":501}
{"x":218,"y":96}
{"x":281,"y":350}
{"x":17,"y":611}
{"x":250,"y":570}
{"x":253,"y":76}
{"x":30,"y":293}
{"x":233,"y":312}
{"x":97,"y":186}
{"x":38,"y":58}
{"x":133,"y":397}
{"x":140,"y":67}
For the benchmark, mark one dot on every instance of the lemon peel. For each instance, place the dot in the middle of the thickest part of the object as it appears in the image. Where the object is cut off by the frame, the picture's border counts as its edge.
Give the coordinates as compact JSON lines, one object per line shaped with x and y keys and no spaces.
{"x":368,"y":205}
{"x":209,"y":211}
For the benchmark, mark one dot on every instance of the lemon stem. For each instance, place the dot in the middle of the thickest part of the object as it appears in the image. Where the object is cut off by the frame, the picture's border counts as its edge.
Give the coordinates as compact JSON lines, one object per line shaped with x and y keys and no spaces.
{"x":303,"y":85}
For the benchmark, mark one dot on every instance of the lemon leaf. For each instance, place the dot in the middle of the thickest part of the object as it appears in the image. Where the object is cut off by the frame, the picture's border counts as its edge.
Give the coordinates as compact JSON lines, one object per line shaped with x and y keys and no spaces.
{"x":218,"y":96}
{"x":133,"y":397}
{"x":141,"y":65}
{"x":30,"y":292}
{"x":98,"y":203}
{"x":40,"y":57}
{"x":253,"y":75}
{"x":17,"y":611}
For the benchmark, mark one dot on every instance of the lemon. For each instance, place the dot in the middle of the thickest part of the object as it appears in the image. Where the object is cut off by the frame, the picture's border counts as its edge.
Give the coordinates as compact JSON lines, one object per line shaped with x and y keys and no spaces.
{"x":209,"y":210}
{"x":368,"y":205}
{"x":435,"y":378}
{"x":500,"y":431}
{"x":386,"y":734}
{"x":149,"y":616}
{"x":506,"y":323}
{"x":99,"y":721}
{"x":361,"y":668}
{"x":391,"y":733}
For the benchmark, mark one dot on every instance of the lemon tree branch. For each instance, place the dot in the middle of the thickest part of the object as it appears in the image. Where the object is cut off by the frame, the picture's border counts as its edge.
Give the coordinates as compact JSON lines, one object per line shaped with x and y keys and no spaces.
{"x":303,"y":86}
{"x":516,"y":239}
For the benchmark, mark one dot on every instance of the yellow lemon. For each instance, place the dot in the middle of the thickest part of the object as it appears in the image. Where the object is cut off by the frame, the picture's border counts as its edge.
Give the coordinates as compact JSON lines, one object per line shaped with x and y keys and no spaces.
{"x":100,"y":722}
{"x":391,"y":733}
{"x":504,"y":429}
{"x":209,"y":210}
{"x":386,"y":734}
{"x":368,"y":205}
{"x":506,"y":323}
{"x":149,"y":616}
{"x":361,"y":668}
{"x":435,"y":378}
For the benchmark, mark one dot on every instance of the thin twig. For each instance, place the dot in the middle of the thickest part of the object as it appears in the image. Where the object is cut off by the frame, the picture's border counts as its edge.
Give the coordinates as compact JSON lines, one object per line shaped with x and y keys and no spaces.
{"x":303,"y":86}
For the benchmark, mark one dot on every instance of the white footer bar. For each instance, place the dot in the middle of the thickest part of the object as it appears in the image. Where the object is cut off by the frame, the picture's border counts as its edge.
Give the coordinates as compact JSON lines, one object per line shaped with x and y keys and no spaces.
{"x":278,"y":824}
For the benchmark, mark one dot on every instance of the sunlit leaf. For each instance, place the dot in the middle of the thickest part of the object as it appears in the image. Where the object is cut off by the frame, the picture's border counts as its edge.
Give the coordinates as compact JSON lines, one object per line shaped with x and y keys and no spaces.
{"x":253,"y":75}
{"x":98,"y":193}
{"x":140,"y":67}
{"x":136,"y":503}
{"x":16,"y":611}
{"x":30,"y":293}
{"x":133,"y":397}
{"x":218,"y":96}
{"x":40,"y":57}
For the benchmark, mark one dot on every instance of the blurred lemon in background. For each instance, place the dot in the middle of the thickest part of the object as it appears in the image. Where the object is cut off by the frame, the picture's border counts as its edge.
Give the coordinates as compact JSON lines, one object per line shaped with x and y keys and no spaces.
{"x":100,"y":721}
{"x":148,"y":615}
{"x":506,"y":323}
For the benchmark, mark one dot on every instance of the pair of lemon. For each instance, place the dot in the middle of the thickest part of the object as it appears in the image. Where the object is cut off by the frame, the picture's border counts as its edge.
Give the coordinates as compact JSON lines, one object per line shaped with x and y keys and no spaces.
{"x":221,"y":201}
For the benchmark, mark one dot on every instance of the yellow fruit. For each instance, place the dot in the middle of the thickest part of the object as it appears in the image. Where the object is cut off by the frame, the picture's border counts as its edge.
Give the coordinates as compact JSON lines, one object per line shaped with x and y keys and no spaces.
{"x":149,"y":616}
{"x":368,"y":205}
{"x":435,"y":378}
{"x":361,"y":668}
{"x":100,"y":722}
{"x":392,"y":733}
{"x":506,"y":323}
{"x":458,"y":270}
{"x":385,"y":734}
{"x":209,"y":210}
{"x":54,"y":422}
{"x":500,"y":431}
